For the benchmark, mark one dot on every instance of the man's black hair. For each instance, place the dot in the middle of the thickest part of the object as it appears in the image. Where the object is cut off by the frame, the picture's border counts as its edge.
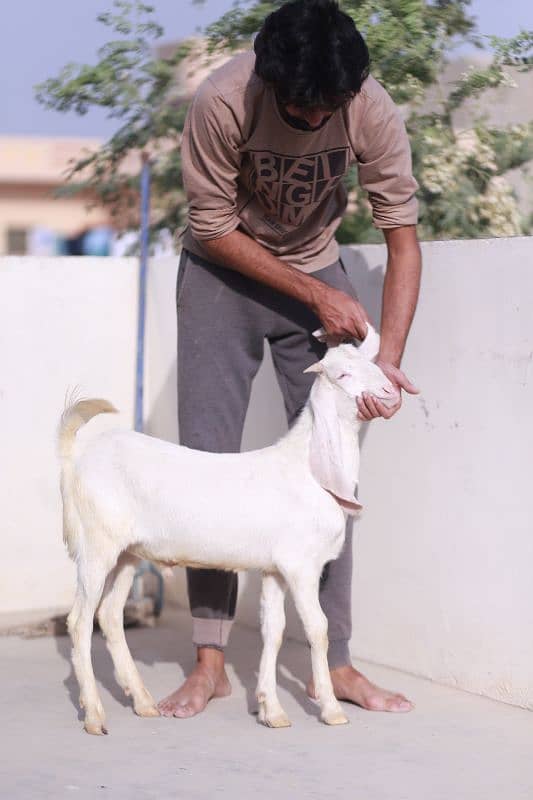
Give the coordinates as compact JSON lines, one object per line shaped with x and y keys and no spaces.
{"x":312,"y":54}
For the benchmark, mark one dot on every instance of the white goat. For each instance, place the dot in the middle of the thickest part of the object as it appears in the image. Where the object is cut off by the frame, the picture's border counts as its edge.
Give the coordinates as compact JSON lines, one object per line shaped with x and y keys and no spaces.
{"x":280,"y":510}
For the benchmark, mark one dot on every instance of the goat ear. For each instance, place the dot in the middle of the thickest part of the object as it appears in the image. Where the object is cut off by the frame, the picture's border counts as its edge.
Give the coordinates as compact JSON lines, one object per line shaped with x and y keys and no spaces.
{"x":351,"y":508}
{"x":369,"y":347}
{"x":333,"y":463}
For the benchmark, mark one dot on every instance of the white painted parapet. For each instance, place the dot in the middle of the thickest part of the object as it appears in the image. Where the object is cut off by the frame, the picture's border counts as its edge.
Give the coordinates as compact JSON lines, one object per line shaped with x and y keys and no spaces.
{"x":444,"y":549}
{"x":63,"y":322}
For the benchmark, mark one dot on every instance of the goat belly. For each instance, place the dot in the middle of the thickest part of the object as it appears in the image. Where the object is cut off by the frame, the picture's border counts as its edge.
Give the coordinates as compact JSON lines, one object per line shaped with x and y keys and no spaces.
{"x":230,"y":559}
{"x":142,"y":552}
{"x":207,"y":540}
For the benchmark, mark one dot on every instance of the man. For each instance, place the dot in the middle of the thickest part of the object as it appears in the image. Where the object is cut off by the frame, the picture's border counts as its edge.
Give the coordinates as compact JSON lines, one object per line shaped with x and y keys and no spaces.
{"x":267,"y":141}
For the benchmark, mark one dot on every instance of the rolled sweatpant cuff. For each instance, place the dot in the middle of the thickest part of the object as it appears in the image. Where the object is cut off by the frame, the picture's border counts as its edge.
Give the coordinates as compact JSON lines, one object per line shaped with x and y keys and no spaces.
{"x":339,"y":653}
{"x":211,"y":632}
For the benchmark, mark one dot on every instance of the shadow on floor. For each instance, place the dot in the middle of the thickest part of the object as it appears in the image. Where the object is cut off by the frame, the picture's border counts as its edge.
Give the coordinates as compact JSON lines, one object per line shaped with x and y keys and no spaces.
{"x":170,"y":642}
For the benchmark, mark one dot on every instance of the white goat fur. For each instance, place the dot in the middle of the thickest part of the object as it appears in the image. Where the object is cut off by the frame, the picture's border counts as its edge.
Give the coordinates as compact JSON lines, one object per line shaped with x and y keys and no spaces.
{"x":280,"y":510}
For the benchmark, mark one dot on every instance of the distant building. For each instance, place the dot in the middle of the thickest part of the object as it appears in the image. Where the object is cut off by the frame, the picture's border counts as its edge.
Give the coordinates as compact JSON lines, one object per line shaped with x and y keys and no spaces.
{"x":32,"y":218}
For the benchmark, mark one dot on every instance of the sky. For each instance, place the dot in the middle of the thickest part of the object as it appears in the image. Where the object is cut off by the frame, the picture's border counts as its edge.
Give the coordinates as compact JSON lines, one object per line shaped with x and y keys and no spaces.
{"x":38,"y":38}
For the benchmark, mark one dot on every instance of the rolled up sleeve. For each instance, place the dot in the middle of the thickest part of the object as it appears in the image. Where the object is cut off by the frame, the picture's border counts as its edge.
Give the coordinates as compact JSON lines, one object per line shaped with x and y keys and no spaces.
{"x":210,"y":165}
{"x":384,"y":163}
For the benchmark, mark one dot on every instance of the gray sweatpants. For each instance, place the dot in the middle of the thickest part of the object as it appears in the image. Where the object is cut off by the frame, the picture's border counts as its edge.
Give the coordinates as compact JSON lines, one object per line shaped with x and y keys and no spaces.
{"x":223,"y":321}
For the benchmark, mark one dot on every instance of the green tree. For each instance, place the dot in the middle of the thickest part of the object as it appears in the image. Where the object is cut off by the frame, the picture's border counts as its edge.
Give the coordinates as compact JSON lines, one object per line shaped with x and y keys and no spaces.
{"x":463,"y":191}
{"x":137,"y":89}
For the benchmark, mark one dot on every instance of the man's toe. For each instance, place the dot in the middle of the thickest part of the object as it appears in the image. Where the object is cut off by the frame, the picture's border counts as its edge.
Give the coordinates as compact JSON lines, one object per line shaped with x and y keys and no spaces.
{"x":399,"y":703}
{"x":163,"y":707}
{"x":184,"y":711}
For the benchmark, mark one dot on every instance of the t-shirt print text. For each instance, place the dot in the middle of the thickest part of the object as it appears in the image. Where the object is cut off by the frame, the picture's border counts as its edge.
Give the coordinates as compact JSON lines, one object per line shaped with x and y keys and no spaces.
{"x":289,"y":187}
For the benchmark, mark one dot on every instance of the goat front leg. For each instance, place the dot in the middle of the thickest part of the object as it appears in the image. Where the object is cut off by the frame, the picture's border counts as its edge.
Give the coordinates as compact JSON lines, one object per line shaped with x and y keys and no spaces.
{"x":271,"y":712}
{"x":305,"y":592}
{"x":111,"y":619}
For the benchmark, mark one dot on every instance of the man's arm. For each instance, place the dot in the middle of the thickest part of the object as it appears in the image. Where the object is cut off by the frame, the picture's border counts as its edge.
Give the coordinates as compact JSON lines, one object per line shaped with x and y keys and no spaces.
{"x":340,"y":315}
{"x":400,"y":295}
{"x":400,"y":291}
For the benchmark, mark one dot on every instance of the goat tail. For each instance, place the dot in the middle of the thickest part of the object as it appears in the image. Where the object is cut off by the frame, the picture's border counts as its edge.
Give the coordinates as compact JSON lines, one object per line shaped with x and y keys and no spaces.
{"x":74,"y":417}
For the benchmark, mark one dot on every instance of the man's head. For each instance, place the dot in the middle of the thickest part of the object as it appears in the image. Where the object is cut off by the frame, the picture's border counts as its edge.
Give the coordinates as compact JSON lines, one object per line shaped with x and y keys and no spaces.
{"x":313,"y":56}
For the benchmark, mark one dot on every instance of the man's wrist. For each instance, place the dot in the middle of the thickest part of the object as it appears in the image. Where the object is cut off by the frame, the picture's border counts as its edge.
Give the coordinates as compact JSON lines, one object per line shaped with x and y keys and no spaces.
{"x":389,"y":357}
{"x":315,"y":293}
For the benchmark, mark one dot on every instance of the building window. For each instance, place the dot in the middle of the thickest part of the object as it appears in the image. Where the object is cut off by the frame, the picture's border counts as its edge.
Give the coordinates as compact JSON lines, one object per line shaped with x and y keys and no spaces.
{"x":17,"y":241}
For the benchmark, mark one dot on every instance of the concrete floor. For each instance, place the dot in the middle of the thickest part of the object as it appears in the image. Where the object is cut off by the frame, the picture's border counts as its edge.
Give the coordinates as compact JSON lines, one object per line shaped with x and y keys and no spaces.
{"x":454,"y":746}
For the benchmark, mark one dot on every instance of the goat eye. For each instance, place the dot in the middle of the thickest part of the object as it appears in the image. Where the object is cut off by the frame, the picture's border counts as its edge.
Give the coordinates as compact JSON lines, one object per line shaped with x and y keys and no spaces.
{"x":343,"y":375}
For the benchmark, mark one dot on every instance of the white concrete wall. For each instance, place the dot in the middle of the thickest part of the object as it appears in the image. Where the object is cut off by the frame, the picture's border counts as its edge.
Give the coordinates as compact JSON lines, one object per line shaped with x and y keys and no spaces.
{"x":444,"y":549}
{"x":63,"y":322}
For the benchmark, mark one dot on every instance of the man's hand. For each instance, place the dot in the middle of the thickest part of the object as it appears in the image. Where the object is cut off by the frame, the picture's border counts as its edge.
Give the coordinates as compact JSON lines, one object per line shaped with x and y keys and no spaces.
{"x":341,"y":316}
{"x":370,"y":407}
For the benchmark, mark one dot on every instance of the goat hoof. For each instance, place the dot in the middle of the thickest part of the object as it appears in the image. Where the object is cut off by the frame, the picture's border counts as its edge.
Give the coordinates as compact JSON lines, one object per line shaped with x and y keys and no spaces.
{"x":95,"y":728}
{"x":335,"y":718}
{"x":144,"y":704}
{"x":279,"y":721}
{"x":147,"y":711}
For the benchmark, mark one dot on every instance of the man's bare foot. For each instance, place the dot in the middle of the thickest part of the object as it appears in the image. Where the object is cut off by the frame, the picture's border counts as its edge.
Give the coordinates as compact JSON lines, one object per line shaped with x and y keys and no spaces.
{"x":351,"y":685}
{"x":207,"y":680}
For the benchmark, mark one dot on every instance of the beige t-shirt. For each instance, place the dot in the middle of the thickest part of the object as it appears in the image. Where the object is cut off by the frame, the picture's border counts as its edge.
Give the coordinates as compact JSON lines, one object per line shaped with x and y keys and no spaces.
{"x":246,"y":168}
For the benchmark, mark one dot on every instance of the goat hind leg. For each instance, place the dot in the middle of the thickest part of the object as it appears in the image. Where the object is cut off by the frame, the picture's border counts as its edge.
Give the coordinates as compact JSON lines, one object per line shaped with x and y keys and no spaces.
{"x":91,"y":578}
{"x":111,"y":621}
{"x":271,"y":712}
{"x":305,"y":593}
